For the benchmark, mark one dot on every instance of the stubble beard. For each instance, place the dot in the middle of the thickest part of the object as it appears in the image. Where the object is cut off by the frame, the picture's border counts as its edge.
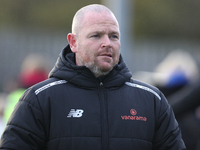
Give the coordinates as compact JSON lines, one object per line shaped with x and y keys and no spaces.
{"x":96,"y":69}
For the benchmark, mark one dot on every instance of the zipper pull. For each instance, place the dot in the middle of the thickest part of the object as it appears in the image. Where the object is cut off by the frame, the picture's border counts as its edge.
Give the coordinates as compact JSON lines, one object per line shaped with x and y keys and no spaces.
{"x":101,"y":84}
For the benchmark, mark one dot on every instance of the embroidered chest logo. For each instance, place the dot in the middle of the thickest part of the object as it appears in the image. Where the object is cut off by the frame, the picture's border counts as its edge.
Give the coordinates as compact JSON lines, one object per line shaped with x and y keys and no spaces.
{"x":133,"y":116}
{"x":75,"y":113}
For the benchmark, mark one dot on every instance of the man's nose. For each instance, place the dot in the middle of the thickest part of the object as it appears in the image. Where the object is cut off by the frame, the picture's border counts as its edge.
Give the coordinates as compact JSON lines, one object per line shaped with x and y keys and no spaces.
{"x":106,"y":42}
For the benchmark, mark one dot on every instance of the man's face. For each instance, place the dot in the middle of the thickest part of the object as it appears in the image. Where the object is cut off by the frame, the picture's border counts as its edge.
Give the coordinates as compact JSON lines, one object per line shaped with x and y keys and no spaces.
{"x":98,"y":43}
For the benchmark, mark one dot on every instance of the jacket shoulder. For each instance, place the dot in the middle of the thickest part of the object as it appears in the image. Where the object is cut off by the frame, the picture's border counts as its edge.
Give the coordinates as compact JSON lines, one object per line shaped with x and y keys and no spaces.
{"x":30,"y":94}
{"x":42,"y":86}
{"x":145,"y":87}
{"x":144,"y":84}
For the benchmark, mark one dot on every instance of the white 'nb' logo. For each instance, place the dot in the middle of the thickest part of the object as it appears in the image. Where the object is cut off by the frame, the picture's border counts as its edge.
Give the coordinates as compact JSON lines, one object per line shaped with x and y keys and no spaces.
{"x":75,"y":113}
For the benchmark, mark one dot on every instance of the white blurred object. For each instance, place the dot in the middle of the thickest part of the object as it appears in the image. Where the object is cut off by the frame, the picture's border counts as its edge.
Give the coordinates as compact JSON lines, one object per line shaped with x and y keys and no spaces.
{"x":176,"y":62}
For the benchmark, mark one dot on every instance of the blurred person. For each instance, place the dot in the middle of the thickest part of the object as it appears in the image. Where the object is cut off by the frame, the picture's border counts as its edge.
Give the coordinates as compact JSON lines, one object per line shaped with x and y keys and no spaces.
{"x":2,"y":106}
{"x":177,"y":70}
{"x":186,"y":106}
{"x":33,"y":70}
{"x":177,"y":76}
{"x":90,"y":100}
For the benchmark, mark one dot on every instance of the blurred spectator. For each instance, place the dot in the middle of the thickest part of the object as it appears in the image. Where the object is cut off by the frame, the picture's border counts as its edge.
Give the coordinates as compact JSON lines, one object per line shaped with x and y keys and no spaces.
{"x":2,"y":106}
{"x":177,"y":70}
{"x":186,"y":106}
{"x":33,"y":70}
{"x":177,"y":76}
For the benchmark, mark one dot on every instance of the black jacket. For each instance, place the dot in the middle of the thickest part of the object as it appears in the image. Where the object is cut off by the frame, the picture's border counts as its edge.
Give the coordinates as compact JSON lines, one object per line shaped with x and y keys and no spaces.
{"x":73,"y":110}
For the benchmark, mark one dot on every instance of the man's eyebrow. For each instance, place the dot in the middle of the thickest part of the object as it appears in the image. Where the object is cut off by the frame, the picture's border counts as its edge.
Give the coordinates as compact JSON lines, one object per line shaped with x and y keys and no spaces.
{"x":99,"y":32}
{"x":114,"y":32}
{"x":103,"y":32}
{"x":96,"y":32}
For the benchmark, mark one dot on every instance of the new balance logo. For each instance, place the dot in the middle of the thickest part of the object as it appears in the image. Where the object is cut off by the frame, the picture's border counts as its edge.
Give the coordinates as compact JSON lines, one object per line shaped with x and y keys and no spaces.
{"x":75,"y":113}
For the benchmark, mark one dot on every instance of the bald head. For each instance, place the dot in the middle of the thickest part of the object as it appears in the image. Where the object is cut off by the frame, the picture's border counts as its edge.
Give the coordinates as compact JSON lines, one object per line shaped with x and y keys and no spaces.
{"x":79,"y":16}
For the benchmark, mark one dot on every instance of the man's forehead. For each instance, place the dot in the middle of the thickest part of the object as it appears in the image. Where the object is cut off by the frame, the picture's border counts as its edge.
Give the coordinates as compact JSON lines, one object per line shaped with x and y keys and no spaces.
{"x":101,"y":28}
{"x":99,"y":19}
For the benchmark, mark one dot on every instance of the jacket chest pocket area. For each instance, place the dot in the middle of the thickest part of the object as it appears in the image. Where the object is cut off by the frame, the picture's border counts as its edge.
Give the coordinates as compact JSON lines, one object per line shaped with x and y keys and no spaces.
{"x":76,"y":122}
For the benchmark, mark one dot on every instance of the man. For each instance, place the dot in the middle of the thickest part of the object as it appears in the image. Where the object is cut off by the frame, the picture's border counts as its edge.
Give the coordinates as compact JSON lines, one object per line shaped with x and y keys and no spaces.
{"x":90,"y":101}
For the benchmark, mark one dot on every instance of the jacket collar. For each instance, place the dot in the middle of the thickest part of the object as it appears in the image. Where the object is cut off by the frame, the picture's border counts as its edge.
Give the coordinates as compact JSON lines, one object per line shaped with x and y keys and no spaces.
{"x":65,"y":68}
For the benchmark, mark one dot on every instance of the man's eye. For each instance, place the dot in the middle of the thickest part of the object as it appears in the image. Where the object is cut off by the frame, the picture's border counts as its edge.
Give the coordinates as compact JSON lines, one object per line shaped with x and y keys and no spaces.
{"x":95,"y":36}
{"x":114,"y":36}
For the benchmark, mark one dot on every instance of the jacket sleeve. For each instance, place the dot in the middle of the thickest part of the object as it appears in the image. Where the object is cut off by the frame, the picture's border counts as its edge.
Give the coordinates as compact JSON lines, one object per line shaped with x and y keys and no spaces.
{"x":167,"y":132}
{"x":25,"y":127}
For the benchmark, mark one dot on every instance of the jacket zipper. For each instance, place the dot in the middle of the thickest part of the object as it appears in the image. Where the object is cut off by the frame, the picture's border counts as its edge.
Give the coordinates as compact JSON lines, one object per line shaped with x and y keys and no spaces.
{"x":104,"y":117}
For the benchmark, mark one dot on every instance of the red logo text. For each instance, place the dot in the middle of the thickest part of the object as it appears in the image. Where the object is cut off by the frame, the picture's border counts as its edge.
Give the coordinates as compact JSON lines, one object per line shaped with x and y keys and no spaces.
{"x":134,"y":117}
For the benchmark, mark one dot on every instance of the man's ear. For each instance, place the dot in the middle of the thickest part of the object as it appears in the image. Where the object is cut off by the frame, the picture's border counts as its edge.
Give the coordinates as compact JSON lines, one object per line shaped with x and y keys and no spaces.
{"x":72,"y":42}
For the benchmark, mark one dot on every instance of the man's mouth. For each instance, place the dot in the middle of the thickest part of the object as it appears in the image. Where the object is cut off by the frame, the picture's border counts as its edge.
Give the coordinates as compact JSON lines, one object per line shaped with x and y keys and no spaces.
{"x":107,"y":54}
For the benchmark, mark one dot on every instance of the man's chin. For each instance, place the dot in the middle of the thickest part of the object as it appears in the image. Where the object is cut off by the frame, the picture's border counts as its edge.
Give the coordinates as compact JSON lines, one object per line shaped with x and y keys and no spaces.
{"x":101,"y":71}
{"x":106,"y":68}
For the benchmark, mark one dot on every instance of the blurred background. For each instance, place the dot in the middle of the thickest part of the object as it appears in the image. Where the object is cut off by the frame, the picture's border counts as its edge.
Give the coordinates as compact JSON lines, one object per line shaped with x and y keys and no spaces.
{"x":160,"y":44}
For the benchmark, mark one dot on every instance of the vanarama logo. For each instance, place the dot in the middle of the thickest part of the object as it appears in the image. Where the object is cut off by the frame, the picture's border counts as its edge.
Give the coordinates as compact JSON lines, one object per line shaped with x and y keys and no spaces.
{"x":134,"y":117}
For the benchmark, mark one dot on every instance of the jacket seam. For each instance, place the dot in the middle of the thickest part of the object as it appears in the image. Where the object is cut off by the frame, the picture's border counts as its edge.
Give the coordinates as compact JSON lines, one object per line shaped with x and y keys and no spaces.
{"x":73,"y":137}
{"x":131,"y":138}
{"x":167,"y":135}
{"x":163,"y":113}
{"x":39,"y":109}
{"x":30,"y":104}
{"x":100,"y":137}
{"x":10,"y":124}
{"x":42,"y":115}
{"x":123,"y":76}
